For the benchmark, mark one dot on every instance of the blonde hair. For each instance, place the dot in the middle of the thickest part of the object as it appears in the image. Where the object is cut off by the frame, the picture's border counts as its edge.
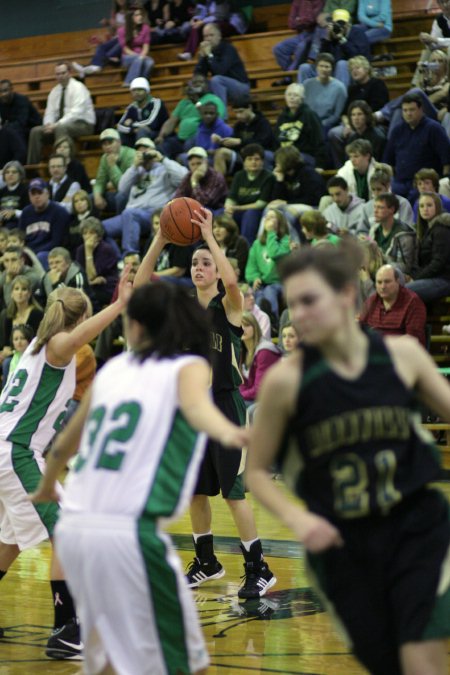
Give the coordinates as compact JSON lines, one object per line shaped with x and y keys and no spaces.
{"x":360,"y":61}
{"x":65,"y":307}
{"x":248,"y":353}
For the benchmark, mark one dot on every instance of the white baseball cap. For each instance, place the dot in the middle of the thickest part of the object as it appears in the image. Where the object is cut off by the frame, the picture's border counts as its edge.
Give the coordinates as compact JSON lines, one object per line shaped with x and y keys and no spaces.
{"x":140,"y":83}
{"x":197,"y":151}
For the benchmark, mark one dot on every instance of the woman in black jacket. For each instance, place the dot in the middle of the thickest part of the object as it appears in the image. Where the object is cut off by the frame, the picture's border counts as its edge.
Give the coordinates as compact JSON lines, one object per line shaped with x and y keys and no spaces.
{"x":431,"y":274}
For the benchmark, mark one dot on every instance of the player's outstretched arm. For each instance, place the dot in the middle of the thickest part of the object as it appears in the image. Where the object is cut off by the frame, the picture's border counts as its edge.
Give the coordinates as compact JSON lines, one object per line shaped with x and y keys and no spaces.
{"x":276,"y":405}
{"x":204,"y":220}
{"x":64,"y":447}
{"x":148,"y":264}
{"x":62,"y":346}
{"x":200,"y":411}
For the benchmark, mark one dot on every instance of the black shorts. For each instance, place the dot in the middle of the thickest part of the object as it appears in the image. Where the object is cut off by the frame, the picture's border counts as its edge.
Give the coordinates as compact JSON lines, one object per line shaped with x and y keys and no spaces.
{"x":386,"y":585}
{"x":222,"y":469}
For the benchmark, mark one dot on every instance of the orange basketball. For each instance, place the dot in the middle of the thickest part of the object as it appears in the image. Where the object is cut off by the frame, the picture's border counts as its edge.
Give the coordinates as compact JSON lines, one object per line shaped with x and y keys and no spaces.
{"x":176,"y":221}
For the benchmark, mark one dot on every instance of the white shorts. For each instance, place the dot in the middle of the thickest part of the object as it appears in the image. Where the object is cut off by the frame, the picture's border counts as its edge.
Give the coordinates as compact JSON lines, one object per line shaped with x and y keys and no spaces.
{"x":135,"y":609}
{"x":21,"y":522}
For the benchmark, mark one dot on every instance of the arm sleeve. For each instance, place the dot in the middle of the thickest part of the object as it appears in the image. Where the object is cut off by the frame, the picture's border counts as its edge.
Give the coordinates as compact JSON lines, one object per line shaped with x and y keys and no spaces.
{"x":128,"y":179}
{"x":277,"y":248}
{"x":262,"y":362}
{"x":121,"y":126}
{"x":356,"y":45}
{"x":251,"y":269}
{"x":102,"y":177}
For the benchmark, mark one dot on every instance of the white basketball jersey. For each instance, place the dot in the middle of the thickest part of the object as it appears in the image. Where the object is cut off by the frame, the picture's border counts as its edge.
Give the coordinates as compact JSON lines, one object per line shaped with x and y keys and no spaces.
{"x":34,"y":403}
{"x":138,"y":456}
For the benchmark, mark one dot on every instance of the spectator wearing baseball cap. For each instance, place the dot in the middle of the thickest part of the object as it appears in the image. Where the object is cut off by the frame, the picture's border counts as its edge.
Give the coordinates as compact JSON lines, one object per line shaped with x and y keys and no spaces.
{"x":116,"y":159}
{"x":342,"y":41}
{"x":144,"y":117}
{"x":203,"y":183}
{"x":45,"y":223}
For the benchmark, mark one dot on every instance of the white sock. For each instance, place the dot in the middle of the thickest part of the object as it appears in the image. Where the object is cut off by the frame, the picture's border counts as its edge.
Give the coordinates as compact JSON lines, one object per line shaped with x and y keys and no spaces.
{"x":247,"y":544}
{"x":204,"y":534}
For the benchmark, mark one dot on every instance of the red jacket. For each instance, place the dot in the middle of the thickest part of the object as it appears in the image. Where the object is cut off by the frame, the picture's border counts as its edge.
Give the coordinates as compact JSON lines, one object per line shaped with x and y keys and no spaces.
{"x":303,"y":14}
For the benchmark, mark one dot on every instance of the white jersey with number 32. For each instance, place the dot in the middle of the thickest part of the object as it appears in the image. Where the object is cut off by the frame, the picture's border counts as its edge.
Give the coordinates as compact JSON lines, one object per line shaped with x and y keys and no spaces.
{"x":138,"y":456}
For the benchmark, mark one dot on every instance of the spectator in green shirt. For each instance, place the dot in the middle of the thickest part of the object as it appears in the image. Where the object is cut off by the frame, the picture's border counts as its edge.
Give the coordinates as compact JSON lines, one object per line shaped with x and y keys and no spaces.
{"x":116,"y":159}
{"x":177,"y":132}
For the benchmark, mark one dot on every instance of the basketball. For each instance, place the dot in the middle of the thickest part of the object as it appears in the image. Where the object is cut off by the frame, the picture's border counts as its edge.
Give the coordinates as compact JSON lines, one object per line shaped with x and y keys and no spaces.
{"x":176,"y":221}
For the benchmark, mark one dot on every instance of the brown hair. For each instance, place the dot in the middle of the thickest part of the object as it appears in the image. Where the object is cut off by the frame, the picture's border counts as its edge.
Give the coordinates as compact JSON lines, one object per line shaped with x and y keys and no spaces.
{"x":282,"y":226}
{"x":427,"y":174}
{"x":65,"y":307}
{"x":249,"y":319}
{"x":231,"y":227}
{"x":337,"y":265}
{"x":24,"y":281}
{"x":314,"y":223}
{"x":421,"y":223}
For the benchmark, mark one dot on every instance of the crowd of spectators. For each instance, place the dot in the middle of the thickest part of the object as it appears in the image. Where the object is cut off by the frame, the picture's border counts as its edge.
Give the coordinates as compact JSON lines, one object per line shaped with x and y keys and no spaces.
{"x":264,"y":183}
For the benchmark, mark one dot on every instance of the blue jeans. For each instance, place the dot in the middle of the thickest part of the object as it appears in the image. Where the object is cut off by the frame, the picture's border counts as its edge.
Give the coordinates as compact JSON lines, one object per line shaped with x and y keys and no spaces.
{"x":129,"y":225}
{"x":292,"y":51}
{"x":430,"y":289}
{"x":248,"y":222}
{"x":375,"y":35}
{"x":106,"y":51}
{"x":270,"y":293}
{"x":137,"y":67}
{"x":223,"y":86}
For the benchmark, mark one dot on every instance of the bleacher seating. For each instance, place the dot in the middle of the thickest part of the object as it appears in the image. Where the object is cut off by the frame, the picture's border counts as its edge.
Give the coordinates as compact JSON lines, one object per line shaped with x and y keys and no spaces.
{"x":35,"y":77}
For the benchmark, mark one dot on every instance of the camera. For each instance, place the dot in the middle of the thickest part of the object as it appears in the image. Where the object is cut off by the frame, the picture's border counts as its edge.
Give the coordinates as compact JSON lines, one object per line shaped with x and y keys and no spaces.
{"x":147,"y":156}
{"x":337,"y":27}
{"x":428,"y":65}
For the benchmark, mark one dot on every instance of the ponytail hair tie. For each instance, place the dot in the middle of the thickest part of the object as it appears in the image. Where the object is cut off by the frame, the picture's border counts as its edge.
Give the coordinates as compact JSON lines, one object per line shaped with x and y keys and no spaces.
{"x":63,"y":305}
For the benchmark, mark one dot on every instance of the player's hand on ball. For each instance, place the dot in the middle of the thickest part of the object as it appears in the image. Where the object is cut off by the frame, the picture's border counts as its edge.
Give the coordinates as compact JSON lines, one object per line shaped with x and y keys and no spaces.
{"x":204,"y":220}
{"x":317,"y":533}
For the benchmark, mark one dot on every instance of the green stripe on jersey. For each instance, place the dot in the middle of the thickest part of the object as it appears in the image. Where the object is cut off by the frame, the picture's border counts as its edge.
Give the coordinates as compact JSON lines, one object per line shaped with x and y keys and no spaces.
{"x":46,"y":390}
{"x":167,"y":609}
{"x":28,"y":472}
{"x":171,"y":473}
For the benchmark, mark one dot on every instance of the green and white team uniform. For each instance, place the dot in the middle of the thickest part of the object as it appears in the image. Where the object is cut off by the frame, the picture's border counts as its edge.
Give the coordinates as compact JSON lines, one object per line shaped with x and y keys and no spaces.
{"x":136,"y":469}
{"x":32,"y":408}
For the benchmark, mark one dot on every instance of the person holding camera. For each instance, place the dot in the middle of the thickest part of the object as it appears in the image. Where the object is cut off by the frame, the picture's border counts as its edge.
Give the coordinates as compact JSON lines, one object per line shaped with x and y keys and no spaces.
{"x":147,"y":185}
{"x":342,"y":41}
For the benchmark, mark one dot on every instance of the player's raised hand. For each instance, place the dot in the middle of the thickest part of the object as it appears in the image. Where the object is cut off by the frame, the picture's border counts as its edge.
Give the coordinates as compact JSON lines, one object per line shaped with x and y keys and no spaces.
{"x":125,"y":286}
{"x":204,"y":219}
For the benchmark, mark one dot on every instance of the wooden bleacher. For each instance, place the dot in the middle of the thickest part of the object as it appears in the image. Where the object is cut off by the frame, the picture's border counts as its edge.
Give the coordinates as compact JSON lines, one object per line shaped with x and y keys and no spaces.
{"x":35,"y":77}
